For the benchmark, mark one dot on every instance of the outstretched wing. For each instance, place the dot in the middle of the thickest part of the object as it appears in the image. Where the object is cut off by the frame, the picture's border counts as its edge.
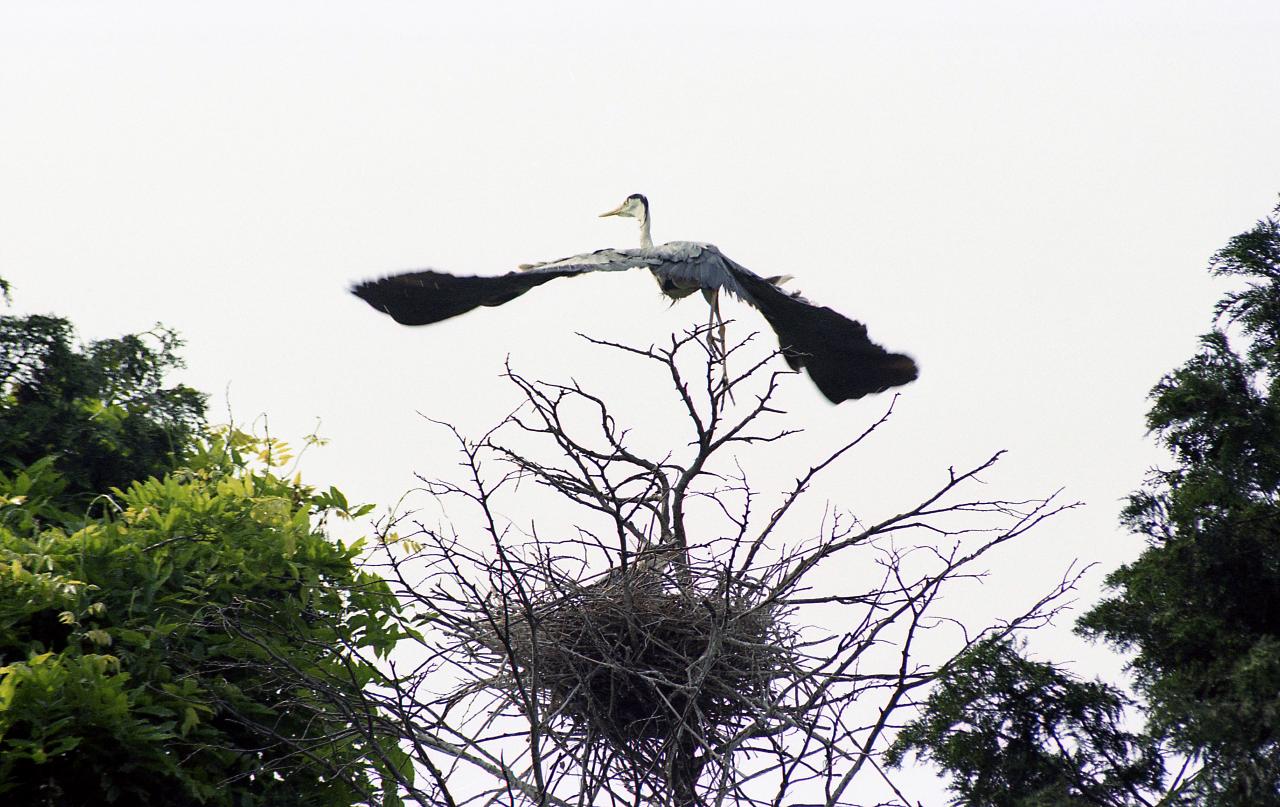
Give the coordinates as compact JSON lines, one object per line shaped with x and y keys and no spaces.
{"x":423,"y":297}
{"x":835,"y":350}
{"x":837,"y":353}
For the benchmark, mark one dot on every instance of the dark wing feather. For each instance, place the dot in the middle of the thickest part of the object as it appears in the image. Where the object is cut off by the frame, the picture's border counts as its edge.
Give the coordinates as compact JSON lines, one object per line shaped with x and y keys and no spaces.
{"x":835,"y":350}
{"x":841,"y":359}
{"x":420,"y":298}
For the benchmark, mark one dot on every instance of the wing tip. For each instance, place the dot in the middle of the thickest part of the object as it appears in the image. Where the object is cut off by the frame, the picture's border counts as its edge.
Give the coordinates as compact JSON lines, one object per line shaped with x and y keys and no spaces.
{"x":869,"y":378}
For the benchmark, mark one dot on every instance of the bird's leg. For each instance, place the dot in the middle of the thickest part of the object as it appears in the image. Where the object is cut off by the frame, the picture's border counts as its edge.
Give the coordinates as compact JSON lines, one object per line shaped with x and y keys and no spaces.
{"x":712,"y":296}
{"x":719,"y":319}
{"x":716,"y":335}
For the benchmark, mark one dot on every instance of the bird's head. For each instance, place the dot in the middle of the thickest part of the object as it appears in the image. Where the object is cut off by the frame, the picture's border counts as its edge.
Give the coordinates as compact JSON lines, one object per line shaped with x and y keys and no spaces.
{"x":634,"y":206}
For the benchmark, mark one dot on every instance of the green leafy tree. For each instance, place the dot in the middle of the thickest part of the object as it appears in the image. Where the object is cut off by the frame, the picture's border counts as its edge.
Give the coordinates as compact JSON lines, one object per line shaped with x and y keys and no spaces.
{"x":102,"y":411}
{"x":1199,"y":610}
{"x":193,"y":638}
{"x":203,"y":642}
{"x":1201,"y":606}
{"x":1013,"y":732}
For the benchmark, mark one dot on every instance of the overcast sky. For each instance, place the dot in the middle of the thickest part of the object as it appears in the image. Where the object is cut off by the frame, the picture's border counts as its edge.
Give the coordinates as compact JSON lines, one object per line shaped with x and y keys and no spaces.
{"x":1023,"y":196}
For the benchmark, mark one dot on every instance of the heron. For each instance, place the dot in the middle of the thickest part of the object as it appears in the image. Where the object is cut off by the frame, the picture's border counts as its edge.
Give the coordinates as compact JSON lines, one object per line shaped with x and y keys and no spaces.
{"x":833,"y":349}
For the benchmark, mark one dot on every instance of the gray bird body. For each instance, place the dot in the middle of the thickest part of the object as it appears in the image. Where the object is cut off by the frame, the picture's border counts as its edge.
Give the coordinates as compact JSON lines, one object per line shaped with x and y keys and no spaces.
{"x":680,"y":267}
{"x":837,"y":353}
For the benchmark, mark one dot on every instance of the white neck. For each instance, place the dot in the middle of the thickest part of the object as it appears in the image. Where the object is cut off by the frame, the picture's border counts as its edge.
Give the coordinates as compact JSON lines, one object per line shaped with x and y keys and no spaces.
{"x":646,"y":242}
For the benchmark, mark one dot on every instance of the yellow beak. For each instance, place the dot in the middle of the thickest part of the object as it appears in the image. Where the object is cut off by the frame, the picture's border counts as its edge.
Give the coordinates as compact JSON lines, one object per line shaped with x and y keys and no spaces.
{"x":615,"y":212}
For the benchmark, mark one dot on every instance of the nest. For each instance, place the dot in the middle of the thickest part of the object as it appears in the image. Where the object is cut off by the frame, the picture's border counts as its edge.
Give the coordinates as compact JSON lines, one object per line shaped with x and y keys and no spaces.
{"x":639,"y":662}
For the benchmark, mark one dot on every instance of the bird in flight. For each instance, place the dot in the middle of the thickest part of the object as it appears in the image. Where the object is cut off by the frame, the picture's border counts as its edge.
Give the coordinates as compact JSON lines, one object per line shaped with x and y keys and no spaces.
{"x":836,"y":352}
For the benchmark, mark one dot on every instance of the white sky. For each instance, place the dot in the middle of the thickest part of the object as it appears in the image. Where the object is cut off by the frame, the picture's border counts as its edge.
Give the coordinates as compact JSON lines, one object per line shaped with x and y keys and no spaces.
{"x":1021,"y":195}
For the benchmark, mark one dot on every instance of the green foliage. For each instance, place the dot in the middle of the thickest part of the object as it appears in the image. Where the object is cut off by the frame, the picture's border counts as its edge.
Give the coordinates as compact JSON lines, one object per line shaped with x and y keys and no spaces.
{"x":1199,"y":610}
{"x":1017,"y":733}
{"x":1201,"y":606}
{"x":102,"y":412}
{"x":195,"y":644}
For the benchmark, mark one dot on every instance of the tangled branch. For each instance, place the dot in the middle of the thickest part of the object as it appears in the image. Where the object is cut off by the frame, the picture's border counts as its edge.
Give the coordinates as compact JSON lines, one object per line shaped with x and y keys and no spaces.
{"x":672,"y":657}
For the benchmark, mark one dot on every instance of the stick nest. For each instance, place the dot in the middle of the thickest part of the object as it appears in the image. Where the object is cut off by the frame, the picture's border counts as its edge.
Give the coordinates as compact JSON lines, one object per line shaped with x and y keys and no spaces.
{"x":640,"y":661}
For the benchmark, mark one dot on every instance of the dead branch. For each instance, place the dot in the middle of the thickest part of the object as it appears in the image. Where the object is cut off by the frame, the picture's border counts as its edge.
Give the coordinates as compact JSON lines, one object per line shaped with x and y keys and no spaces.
{"x":669,"y":658}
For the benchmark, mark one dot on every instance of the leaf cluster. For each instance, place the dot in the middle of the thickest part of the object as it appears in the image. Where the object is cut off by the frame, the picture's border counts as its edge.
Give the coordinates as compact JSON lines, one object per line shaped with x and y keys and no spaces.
{"x":1013,"y":732}
{"x":175,"y":625}
{"x":167,"y":652}
{"x":1200,"y":606}
{"x":1199,"y":610}
{"x":102,"y":411}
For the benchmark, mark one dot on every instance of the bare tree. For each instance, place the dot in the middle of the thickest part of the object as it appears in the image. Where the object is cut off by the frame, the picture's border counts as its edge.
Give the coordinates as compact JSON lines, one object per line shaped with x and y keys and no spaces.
{"x":659,"y":656}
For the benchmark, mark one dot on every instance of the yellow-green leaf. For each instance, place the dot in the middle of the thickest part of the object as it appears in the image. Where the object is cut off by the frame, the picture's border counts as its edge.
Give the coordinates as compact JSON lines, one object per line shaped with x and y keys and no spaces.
{"x":189,"y":721}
